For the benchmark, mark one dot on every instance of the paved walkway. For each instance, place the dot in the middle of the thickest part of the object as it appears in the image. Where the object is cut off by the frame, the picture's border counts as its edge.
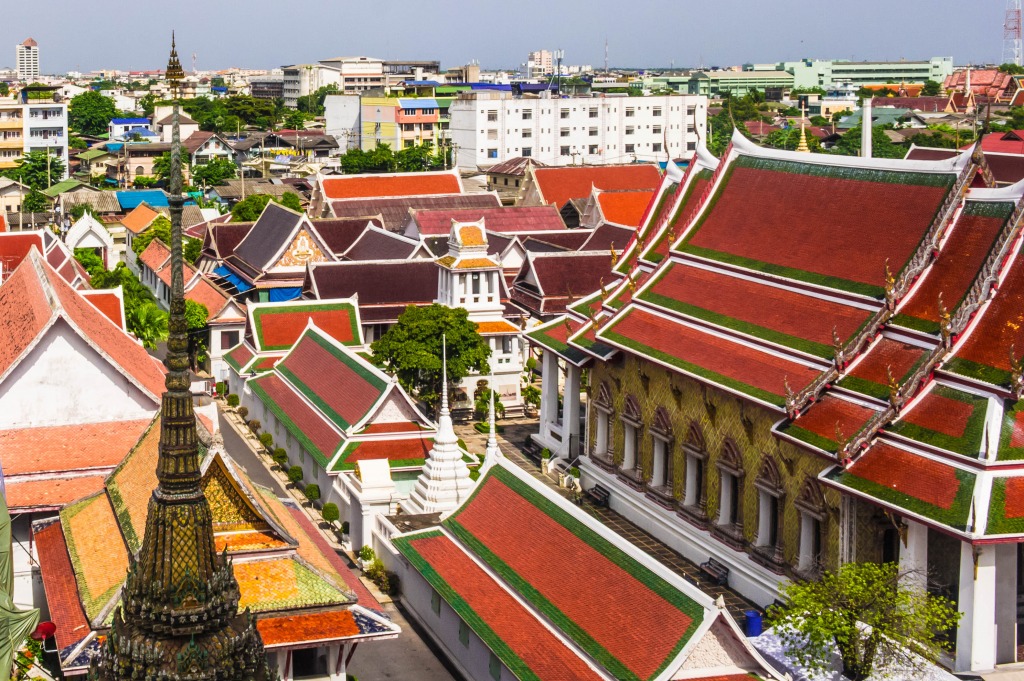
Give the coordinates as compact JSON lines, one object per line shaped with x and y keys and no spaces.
{"x":514,"y":437}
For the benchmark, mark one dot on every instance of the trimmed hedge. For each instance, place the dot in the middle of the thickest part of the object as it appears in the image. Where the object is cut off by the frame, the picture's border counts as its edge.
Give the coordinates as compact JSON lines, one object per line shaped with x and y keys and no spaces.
{"x":233,"y":400}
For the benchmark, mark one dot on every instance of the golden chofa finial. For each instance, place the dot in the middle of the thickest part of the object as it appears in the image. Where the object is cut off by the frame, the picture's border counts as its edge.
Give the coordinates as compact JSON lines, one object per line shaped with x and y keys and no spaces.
{"x":174,"y":73}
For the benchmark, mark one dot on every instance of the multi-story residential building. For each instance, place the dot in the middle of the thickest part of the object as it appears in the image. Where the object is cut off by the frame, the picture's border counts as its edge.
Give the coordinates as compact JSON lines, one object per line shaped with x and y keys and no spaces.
{"x":267,"y":87}
{"x":35,"y":123}
{"x":301,"y":80}
{"x":489,"y":127}
{"x":540,"y":63}
{"x":26,"y":60}
{"x":826,"y":73}
{"x":358,"y":74}
{"x":399,"y":122}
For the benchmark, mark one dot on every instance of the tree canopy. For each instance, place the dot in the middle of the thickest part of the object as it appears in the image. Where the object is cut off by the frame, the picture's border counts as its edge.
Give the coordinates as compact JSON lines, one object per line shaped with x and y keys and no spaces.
{"x":314,"y":103}
{"x":901,"y":617}
{"x":161,"y":229}
{"x":411,"y":349}
{"x":143,"y":316}
{"x":931,"y":88}
{"x":383,"y":160}
{"x":37,"y":169}
{"x":90,"y":112}
{"x":214,"y":172}
{"x":251,"y":207}
{"x":227,"y":114}
{"x":1012,"y":69}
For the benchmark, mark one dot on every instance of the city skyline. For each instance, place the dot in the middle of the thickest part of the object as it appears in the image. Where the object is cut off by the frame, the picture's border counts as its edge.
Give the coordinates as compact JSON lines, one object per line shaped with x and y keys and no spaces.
{"x":654,"y":35}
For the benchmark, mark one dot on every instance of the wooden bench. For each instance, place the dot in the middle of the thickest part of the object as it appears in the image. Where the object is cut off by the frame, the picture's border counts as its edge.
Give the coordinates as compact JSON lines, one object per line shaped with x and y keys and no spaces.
{"x":599,"y":495}
{"x":718,"y":573}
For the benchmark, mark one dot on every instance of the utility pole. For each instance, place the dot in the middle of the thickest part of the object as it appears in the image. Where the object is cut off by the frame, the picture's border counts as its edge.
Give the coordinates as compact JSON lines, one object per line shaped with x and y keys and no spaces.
{"x":558,"y":56}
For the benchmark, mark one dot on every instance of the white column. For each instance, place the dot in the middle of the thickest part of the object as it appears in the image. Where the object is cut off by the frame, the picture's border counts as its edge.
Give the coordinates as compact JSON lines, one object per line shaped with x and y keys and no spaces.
{"x":725,"y":498}
{"x":570,"y":409}
{"x":690,"y":498}
{"x":764,"y":517}
{"x":1006,"y":603}
{"x":976,"y":636}
{"x":914,"y":553}
{"x":549,"y":391}
{"x":807,"y":530}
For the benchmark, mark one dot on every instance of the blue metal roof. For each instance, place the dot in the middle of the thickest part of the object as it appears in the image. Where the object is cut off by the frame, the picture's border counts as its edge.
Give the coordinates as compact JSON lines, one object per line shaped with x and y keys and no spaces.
{"x":417,"y":103}
{"x":491,"y":86}
{"x":155,"y":198}
{"x":130,"y":121}
{"x":422,"y":83}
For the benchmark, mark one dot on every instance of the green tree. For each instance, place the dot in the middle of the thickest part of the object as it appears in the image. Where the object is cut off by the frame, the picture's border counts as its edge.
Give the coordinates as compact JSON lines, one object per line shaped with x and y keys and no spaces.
{"x":214,"y":172}
{"x":296,"y":120}
{"x":823,"y":616}
{"x":196,"y":317}
{"x":931,"y":88}
{"x":162,"y":165}
{"x":148,"y":322}
{"x":1013,"y":69}
{"x":144,"y":182}
{"x":314,"y":103}
{"x":77,"y":143}
{"x":330,"y":513}
{"x":482,"y":405}
{"x":790,"y":139}
{"x":37,"y":169}
{"x":161,"y":229}
{"x":251,"y":207}
{"x":90,"y":260}
{"x":881,"y":145}
{"x":5,"y":89}
{"x":90,"y":112}
{"x":295,"y":474}
{"x":35,"y":202}
{"x":411,"y":349}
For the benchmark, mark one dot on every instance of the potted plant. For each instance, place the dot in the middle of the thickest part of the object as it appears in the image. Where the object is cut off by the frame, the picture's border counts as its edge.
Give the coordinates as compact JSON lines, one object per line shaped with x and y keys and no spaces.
{"x":366,"y":556}
{"x":545,"y":460}
{"x":531,"y":400}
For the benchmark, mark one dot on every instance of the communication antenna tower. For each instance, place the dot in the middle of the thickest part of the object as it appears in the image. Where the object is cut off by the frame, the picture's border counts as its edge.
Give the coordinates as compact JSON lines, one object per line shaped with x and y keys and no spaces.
{"x":1012,"y":33}
{"x":193,"y":62}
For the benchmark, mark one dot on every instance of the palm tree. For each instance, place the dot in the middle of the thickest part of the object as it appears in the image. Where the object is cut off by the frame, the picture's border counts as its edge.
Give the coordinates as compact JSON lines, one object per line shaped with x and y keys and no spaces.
{"x":149,"y":324}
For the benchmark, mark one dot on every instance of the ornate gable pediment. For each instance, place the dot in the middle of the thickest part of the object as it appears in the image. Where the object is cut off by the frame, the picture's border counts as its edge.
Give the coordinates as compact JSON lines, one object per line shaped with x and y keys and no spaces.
{"x":303,"y":249}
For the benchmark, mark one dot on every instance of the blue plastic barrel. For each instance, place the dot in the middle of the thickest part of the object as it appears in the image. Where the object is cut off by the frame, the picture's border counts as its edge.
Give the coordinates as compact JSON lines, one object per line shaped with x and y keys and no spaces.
{"x":754,"y":624}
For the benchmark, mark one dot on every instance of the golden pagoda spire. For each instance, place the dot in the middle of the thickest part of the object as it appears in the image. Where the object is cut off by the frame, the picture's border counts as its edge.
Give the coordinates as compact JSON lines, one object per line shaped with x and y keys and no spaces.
{"x":178,"y":618}
{"x":802,"y":146}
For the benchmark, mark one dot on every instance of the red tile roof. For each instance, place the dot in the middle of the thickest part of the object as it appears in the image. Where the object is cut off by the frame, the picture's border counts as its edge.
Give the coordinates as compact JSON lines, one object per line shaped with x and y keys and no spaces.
{"x":139,"y":219}
{"x":207,"y":293}
{"x":1011,"y":142}
{"x":51,"y":492}
{"x":352,"y":582}
{"x":403,"y":184}
{"x":626,"y":207}
{"x":312,"y":424}
{"x":338,"y":381}
{"x":14,"y":246}
{"x":155,"y":255}
{"x":824,"y":415}
{"x":559,"y":185}
{"x":279,"y":328}
{"x":404,"y":449}
{"x":298,"y":628}
{"x":703,"y":351}
{"x":1001,"y":325}
{"x":501,"y":220}
{"x":826,"y":223}
{"x":955,"y":269}
{"x":779,"y":310}
{"x":1014,"y":505}
{"x":691,"y":204}
{"x":24,"y":312}
{"x":60,"y":587}
{"x":940,"y":414}
{"x":987,"y":82}
{"x":897,"y":356}
{"x":68,"y":448}
{"x":908,"y":474}
{"x":526,"y":637}
{"x":108,"y":303}
{"x":399,"y":427}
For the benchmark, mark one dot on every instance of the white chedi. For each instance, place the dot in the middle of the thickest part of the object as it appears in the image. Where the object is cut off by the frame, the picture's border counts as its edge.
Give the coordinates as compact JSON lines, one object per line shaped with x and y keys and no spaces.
{"x":444,"y":482}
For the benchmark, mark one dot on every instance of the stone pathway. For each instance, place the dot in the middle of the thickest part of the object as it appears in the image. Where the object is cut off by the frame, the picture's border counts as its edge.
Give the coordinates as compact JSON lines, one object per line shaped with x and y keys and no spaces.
{"x":514,"y":437}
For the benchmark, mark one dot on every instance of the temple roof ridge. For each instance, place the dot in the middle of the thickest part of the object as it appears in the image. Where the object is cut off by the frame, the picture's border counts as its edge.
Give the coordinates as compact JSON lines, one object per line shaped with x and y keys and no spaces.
{"x":744,"y":147}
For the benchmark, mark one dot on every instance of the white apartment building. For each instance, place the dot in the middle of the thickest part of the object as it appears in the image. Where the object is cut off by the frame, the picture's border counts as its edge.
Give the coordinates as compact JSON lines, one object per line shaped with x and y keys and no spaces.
{"x":26,"y":60}
{"x":489,"y":127}
{"x":41,"y":125}
{"x":358,"y":74}
{"x":301,"y":80}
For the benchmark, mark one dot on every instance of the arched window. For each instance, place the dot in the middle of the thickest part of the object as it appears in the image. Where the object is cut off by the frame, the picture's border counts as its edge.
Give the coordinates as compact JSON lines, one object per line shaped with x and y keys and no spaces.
{"x":696,"y":453}
{"x":730,"y":500}
{"x":813,"y":512}
{"x":662,"y":441}
{"x":770,"y":495}
{"x":633,"y":426}
{"x":603,"y":421}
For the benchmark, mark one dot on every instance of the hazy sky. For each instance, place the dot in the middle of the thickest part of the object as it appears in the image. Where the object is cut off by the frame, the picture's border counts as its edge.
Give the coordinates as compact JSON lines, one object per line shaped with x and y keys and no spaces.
{"x":93,"y":34}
